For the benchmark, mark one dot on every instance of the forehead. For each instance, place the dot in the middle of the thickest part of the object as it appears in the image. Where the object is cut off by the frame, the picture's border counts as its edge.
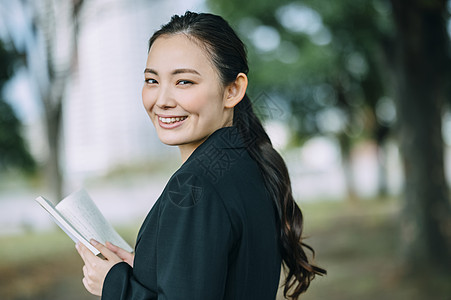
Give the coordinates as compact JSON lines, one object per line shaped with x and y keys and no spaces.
{"x":177,"y":51}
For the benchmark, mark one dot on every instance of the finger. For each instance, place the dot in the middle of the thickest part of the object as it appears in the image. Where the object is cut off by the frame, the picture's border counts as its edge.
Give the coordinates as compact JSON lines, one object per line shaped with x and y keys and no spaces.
{"x":112,"y":247}
{"x":88,"y":257}
{"x":123,"y":254}
{"x":80,"y":249}
{"x":115,"y":249}
{"x":107,"y":253}
{"x":85,"y":283}
{"x":88,"y":286}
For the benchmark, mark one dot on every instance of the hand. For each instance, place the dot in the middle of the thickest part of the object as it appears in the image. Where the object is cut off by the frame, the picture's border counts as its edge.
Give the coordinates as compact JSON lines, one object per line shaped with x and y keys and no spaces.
{"x":96,"y":268}
{"x":123,"y":254}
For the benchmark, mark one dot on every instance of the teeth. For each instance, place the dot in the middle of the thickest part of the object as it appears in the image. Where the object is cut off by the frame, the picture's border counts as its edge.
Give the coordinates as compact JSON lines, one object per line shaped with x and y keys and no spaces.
{"x":171,"y":120}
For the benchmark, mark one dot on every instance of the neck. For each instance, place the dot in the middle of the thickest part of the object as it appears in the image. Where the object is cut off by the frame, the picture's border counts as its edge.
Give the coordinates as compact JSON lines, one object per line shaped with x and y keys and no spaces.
{"x":187,"y":150}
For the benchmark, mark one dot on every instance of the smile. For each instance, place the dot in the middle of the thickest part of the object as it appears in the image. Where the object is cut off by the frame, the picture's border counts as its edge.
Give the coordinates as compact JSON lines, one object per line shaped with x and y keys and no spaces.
{"x":171,"y":120}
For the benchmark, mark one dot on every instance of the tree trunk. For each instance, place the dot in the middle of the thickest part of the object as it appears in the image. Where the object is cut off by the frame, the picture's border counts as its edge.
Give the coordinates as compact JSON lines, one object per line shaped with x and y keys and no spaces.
{"x":346,"y":162}
{"x":53,"y":124}
{"x":421,"y":76}
{"x":382,"y":178}
{"x":381,"y":136}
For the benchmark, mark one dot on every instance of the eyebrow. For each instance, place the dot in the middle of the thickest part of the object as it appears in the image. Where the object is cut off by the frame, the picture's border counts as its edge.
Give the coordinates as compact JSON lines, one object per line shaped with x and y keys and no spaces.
{"x":175,"y":72}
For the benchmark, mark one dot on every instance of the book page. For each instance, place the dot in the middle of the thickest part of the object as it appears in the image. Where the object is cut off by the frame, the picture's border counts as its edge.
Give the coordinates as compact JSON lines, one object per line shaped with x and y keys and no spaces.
{"x":65,"y":225}
{"x":79,"y":209}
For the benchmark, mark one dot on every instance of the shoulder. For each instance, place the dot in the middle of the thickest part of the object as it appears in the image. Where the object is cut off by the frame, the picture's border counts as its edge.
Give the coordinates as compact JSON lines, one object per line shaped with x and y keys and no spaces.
{"x":186,"y":189}
{"x":218,"y":156}
{"x":215,"y":171}
{"x":191,"y":201}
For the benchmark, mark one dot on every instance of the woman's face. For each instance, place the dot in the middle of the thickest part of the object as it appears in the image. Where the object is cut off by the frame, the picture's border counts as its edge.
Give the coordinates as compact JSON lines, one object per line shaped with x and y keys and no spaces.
{"x":183,"y":94}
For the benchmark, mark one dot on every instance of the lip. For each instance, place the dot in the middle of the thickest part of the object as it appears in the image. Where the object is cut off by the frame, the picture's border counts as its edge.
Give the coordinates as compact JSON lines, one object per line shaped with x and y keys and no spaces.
{"x":173,"y":125}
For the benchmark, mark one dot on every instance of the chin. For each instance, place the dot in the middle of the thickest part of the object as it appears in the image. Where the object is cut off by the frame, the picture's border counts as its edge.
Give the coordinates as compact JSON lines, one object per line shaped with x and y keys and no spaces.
{"x":170,"y":141}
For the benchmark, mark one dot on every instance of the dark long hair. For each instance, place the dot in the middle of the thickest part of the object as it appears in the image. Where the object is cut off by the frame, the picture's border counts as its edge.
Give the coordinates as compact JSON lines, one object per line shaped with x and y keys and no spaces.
{"x":228,"y":54}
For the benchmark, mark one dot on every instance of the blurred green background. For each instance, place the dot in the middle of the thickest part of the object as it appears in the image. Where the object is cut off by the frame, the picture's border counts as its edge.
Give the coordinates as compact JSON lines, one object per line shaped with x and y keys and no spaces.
{"x":354,"y":94}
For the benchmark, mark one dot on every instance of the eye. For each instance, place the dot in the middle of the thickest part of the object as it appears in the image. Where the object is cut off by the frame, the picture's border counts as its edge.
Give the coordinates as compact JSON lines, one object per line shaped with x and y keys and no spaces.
{"x":184,"y":82}
{"x":150,"y":81}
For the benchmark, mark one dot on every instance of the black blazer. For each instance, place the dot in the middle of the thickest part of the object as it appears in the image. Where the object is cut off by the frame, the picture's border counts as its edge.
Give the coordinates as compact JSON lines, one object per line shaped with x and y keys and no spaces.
{"x":212,"y":234}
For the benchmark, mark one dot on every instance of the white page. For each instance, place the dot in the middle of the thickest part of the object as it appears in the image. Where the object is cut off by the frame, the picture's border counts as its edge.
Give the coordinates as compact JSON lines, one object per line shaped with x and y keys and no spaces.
{"x":64,"y":224}
{"x":79,"y":209}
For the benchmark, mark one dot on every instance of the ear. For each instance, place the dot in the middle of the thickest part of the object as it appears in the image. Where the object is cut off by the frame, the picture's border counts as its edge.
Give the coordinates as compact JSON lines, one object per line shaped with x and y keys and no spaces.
{"x":235,"y":91}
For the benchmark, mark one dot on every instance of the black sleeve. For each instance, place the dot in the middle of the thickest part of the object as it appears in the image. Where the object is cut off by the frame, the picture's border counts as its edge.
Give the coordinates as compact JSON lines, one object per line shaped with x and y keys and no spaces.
{"x":120,"y":284}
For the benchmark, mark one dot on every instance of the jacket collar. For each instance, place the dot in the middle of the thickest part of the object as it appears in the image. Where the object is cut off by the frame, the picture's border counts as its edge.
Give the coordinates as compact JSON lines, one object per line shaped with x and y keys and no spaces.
{"x":223,"y":138}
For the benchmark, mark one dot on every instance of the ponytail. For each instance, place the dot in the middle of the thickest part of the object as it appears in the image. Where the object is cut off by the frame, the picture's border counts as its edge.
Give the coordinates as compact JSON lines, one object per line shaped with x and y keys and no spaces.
{"x":299,"y":271}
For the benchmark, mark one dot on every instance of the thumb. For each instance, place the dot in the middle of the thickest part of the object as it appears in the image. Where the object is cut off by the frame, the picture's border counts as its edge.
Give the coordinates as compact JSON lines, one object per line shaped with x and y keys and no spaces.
{"x":116,"y":249}
{"x":122,"y":253}
{"x":108,"y":254}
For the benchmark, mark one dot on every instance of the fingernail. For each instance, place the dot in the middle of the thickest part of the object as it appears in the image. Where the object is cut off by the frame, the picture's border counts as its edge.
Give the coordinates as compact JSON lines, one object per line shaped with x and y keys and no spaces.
{"x":93,"y":242}
{"x":76,"y":245}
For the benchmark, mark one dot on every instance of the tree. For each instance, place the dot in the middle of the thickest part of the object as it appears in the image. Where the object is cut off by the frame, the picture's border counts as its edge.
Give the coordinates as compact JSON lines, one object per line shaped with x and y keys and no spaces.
{"x":422,"y":66}
{"x":51,"y":52}
{"x":13,"y":150}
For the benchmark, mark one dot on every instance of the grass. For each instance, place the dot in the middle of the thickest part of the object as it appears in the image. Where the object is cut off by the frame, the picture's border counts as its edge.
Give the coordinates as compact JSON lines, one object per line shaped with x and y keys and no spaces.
{"x":357,"y":244}
{"x":44,"y":266}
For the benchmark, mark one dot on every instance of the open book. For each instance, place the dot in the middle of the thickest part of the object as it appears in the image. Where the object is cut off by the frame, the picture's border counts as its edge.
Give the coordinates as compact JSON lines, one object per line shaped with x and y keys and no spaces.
{"x":82,"y":221}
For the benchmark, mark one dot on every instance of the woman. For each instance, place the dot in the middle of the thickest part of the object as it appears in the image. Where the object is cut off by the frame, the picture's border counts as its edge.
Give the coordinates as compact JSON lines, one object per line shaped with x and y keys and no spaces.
{"x":226,"y":220}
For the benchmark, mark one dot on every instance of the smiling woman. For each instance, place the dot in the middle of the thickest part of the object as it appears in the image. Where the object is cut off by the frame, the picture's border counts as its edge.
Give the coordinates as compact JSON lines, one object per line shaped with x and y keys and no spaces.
{"x":183,"y":97}
{"x":227,"y":220}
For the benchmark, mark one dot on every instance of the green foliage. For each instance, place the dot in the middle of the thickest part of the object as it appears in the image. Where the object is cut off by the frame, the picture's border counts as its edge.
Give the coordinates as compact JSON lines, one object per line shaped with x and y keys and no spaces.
{"x":13,"y":152}
{"x":6,"y":65}
{"x":327,"y":63}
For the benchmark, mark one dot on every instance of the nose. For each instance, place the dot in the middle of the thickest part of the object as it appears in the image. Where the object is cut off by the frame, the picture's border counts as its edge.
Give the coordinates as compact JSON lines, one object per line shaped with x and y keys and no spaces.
{"x":165,"y":98}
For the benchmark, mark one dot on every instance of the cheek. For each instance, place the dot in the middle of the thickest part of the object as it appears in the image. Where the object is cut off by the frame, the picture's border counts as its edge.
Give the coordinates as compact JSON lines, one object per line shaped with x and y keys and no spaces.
{"x":190,"y":101}
{"x":147,"y":98}
{"x":204,"y":103}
